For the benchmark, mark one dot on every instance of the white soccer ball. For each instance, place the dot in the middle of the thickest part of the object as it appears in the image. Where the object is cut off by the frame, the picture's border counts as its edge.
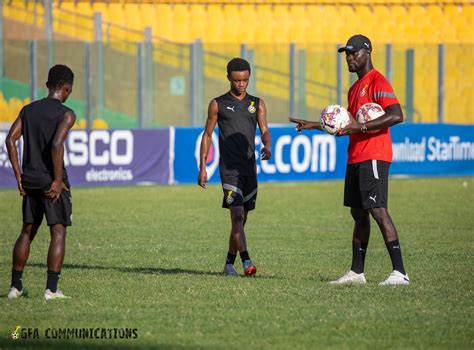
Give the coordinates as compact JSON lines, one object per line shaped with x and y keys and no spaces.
{"x":334,"y":118}
{"x":369,"y":111}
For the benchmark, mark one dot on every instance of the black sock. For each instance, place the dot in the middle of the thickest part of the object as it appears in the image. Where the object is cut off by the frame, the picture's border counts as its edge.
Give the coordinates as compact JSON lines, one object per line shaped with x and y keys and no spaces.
{"x":244,"y":256}
{"x":396,"y":255}
{"x":17,"y":279}
{"x":52,"y":283}
{"x":359,"y":250}
{"x":230,"y":258}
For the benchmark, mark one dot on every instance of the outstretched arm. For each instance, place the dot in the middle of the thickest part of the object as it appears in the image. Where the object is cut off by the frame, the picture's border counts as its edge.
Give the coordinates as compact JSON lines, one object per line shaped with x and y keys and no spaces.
{"x":266,"y":151}
{"x":302,"y":124}
{"x":57,"y":153}
{"x":206,"y":142}
{"x":13,"y":135}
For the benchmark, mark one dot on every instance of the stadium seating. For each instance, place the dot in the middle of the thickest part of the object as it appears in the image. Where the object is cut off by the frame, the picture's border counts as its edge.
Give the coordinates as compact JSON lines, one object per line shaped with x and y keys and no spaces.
{"x":264,"y":24}
{"x":255,"y":21}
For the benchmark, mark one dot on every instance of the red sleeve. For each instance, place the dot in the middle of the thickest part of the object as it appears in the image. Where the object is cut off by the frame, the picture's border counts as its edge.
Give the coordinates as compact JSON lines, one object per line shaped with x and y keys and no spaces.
{"x":383,"y":93}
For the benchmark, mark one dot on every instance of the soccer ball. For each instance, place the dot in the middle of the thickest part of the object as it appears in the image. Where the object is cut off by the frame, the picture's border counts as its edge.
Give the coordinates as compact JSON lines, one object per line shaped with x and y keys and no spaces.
{"x":369,"y":111}
{"x":334,"y":118}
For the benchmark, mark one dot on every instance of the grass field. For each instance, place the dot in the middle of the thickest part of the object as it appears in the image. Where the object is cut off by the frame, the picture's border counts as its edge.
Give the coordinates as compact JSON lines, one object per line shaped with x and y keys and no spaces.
{"x":150,"y":258}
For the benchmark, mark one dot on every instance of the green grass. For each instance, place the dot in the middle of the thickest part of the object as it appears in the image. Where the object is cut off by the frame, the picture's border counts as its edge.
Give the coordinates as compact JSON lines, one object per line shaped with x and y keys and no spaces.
{"x":150,"y":258}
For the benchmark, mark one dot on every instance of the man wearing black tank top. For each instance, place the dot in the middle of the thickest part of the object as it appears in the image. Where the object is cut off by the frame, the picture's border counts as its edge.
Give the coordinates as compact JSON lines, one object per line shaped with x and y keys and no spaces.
{"x":43,"y":181}
{"x":237,"y":115}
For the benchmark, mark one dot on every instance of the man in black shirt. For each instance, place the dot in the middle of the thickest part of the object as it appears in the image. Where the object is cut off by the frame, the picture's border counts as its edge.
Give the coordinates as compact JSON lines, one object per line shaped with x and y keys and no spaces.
{"x":237,"y":114}
{"x":43,"y":181}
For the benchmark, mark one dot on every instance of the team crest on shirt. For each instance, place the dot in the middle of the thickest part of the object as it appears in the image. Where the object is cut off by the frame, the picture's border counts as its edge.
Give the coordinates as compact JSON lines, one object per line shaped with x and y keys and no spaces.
{"x":230,"y":198}
{"x":252,"y":108}
{"x":364,"y":90}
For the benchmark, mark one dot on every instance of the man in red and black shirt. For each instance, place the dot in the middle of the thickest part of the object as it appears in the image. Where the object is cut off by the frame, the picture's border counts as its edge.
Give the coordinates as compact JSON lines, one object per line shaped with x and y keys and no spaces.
{"x":369,"y":158}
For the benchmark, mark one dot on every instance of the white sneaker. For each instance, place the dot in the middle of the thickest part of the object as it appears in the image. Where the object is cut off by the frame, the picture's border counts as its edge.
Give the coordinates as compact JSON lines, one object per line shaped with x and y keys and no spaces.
{"x":230,"y":270}
{"x":249,"y":268}
{"x":350,"y":277}
{"x":15,"y":293}
{"x":48,"y":295}
{"x":396,"y":278}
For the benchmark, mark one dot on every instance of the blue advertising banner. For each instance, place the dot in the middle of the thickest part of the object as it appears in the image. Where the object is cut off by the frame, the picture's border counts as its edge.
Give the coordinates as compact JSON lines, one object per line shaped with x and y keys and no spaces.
{"x":312,"y":155}
{"x":114,"y":157}
{"x":418,"y":150}
{"x":432,"y":149}
{"x":107,"y":157}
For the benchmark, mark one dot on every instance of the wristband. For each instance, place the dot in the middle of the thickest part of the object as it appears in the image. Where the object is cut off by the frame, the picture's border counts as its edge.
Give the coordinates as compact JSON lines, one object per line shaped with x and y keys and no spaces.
{"x":363,"y":128}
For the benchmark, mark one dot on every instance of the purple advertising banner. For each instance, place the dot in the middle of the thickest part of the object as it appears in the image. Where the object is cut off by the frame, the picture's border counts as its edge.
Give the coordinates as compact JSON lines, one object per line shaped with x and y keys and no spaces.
{"x":107,"y":157}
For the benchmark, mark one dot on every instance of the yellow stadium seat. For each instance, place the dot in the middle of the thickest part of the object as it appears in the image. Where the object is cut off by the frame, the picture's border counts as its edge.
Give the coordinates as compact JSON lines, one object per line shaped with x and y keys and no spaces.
{"x":351,"y":27}
{"x":197,"y":21}
{"x":281,"y":24}
{"x":298,"y":23}
{"x":264,"y":33}
{"x":382,"y":26}
{"x":331,"y":24}
{"x":181,"y":24}
{"x":248,"y":16}
{"x":132,"y":18}
{"x":461,"y":19}
{"x":116,"y":14}
{"x":232,"y":19}
{"x":163,"y":25}
{"x":419,"y":22}
{"x":84,"y":8}
{"x":441,"y":29}
{"x":214,"y":23}
{"x":314,"y":31}
{"x":101,"y":7}
{"x":146,"y":14}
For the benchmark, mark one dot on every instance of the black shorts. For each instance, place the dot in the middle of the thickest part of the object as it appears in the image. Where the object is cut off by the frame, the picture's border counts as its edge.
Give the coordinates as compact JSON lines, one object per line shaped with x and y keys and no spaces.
{"x":366,"y":185}
{"x":239,"y":191}
{"x":36,"y":205}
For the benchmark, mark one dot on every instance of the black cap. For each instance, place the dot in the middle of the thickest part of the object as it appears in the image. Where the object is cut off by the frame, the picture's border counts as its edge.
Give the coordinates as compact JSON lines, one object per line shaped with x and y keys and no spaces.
{"x":355,"y":43}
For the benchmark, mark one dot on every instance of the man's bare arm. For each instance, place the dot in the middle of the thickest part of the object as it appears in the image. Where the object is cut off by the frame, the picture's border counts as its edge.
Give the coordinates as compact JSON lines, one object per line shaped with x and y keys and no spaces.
{"x":13,"y":136}
{"x":206,"y":142}
{"x":57,"y":153}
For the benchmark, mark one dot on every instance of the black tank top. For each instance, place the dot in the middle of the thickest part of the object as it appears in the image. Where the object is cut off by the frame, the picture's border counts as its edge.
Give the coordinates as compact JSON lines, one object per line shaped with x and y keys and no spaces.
{"x":40,"y":121}
{"x":237,"y":121}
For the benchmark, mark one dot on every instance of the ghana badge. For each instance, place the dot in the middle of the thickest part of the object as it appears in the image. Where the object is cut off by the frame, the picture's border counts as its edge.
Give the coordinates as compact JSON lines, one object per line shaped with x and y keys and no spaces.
{"x":230,"y":198}
{"x":252,"y":108}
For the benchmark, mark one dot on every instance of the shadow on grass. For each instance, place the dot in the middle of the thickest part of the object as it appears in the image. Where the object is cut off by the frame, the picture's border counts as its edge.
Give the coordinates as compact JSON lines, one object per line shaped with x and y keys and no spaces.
{"x":143,"y":270}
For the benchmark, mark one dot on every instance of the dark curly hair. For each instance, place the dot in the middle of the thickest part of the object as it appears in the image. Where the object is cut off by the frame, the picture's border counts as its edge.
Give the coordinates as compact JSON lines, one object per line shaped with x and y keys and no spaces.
{"x":237,"y":65}
{"x":59,"y":75}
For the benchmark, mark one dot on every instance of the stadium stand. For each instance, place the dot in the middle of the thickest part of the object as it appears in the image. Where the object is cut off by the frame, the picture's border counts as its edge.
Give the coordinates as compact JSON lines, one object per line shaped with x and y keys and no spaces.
{"x":267,"y":26}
